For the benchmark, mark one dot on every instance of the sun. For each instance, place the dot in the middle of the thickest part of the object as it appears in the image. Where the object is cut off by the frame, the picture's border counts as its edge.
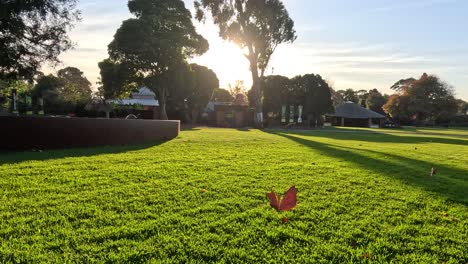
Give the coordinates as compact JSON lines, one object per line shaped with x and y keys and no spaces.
{"x":226,"y":59}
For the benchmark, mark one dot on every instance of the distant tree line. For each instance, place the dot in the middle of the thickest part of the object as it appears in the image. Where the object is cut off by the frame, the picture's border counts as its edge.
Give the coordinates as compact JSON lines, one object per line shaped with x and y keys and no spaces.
{"x":371,"y":99}
{"x":424,"y":100}
{"x":154,"y":47}
{"x":66,"y":92}
{"x":309,"y":90}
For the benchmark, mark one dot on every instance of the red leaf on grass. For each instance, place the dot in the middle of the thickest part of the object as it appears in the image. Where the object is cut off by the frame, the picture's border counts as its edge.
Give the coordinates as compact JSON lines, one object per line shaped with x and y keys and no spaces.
{"x":287,"y":203}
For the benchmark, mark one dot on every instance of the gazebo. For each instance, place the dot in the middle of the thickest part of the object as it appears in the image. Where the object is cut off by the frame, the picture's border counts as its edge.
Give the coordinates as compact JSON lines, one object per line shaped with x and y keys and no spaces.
{"x":354,"y":115}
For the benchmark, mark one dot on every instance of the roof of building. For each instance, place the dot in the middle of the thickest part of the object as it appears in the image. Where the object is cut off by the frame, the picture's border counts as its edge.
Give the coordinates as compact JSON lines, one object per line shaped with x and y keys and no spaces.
{"x":143,"y":93}
{"x":144,"y":97}
{"x":352,"y":110}
{"x":128,"y":101}
{"x":213,"y":106}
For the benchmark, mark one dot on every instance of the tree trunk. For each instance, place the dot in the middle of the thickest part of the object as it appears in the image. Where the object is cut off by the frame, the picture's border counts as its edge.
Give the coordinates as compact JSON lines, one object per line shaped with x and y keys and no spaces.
{"x":195,"y":113}
{"x":258,"y":102}
{"x":188,"y":118}
{"x":257,"y":89}
{"x":162,"y":103}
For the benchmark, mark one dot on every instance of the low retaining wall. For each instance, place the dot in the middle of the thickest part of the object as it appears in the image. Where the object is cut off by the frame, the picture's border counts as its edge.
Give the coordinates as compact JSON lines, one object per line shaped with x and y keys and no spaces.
{"x":26,"y":133}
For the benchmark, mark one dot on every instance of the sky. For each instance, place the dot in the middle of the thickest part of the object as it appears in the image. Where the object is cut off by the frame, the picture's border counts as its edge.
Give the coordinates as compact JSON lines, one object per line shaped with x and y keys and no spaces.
{"x":358,"y":44}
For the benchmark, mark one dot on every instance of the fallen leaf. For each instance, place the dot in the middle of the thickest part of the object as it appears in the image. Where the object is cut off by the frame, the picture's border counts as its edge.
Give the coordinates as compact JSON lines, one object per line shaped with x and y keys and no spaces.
{"x":287,"y":203}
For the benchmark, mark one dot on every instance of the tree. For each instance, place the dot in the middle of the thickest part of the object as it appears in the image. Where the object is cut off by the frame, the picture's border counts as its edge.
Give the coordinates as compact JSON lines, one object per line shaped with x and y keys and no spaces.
{"x":337,"y":97}
{"x":237,"y":88}
{"x":23,"y":88}
{"x":462,"y":107}
{"x":204,"y":83}
{"x":398,"y":86}
{"x":221,"y":95}
{"x":156,"y":43}
{"x":31,"y":33}
{"x":397,"y":108}
{"x":427,"y":99}
{"x":275,"y":93}
{"x":63,"y":93}
{"x":117,"y":80}
{"x":375,"y":101}
{"x":48,"y":88}
{"x":195,"y":92}
{"x":4,"y":96}
{"x":314,"y":94}
{"x":256,"y":26}
{"x":349,"y":95}
{"x":75,"y":86}
{"x":430,"y":98}
{"x":362,"y":96}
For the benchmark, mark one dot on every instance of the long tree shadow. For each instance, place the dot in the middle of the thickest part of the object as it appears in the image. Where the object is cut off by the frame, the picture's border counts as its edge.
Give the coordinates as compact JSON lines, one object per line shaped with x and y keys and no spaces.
{"x":450,"y":183}
{"x":376,"y":136}
{"x":18,"y":157}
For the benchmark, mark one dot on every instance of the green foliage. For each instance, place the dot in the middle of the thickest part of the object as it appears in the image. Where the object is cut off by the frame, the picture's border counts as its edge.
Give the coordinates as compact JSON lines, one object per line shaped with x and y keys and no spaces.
{"x":396,"y":107}
{"x":33,"y":32}
{"x":157,"y":42}
{"x":4,"y":97}
{"x":425,"y":99}
{"x":337,"y":97}
{"x":275,"y":93}
{"x":193,"y":86}
{"x":203,"y":83}
{"x":363,"y":196}
{"x":22,"y":88}
{"x":375,"y":101}
{"x":221,"y":95}
{"x":349,"y":95}
{"x":62,"y":94}
{"x":314,"y":94}
{"x":76,"y":87}
{"x":462,"y":107}
{"x":117,"y":80}
{"x":362,"y":96}
{"x":308,"y":90}
{"x":257,"y":26}
{"x":401,"y":84}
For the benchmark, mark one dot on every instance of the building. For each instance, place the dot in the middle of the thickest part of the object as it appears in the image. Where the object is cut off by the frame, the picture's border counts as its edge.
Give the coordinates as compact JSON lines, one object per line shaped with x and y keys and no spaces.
{"x":230,"y":114}
{"x":144,"y":98}
{"x":354,"y":115}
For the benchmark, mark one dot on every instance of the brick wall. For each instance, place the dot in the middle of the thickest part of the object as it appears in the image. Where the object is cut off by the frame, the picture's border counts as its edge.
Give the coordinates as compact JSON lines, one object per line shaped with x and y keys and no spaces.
{"x":26,"y":133}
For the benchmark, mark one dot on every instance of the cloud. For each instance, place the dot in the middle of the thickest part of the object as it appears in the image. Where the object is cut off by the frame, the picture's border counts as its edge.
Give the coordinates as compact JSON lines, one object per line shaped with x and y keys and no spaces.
{"x":357,"y":64}
{"x":411,"y":4}
{"x":361,"y":65}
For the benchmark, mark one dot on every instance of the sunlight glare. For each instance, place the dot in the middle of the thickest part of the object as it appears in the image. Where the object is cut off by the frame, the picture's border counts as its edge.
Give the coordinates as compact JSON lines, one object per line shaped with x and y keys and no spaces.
{"x":224,"y":58}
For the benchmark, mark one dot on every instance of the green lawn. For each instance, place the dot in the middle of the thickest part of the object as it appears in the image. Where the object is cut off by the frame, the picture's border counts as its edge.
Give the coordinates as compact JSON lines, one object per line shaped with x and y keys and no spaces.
{"x":363,"y":196}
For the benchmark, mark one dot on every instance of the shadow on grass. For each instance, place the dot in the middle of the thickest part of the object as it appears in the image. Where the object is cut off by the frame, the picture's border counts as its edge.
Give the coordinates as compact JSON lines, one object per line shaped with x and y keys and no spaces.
{"x":189,"y":128}
{"x":17,"y":157}
{"x":450,"y":183}
{"x":377,"y":136}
